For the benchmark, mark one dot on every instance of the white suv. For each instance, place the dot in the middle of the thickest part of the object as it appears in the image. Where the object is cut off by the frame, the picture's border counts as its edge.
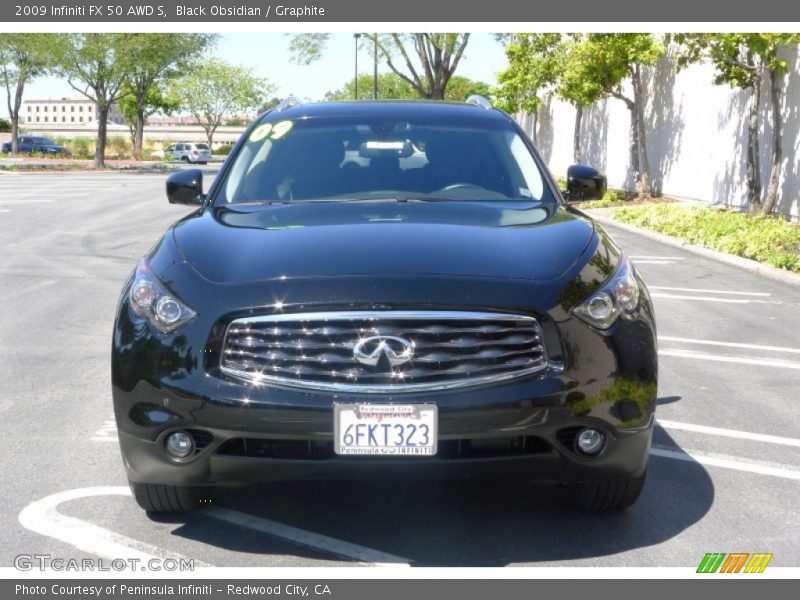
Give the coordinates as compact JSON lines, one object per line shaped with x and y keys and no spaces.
{"x":189,"y":152}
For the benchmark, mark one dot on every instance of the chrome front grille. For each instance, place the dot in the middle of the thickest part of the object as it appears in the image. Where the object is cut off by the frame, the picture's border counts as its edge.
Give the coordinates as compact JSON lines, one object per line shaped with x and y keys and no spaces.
{"x":383,"y":351}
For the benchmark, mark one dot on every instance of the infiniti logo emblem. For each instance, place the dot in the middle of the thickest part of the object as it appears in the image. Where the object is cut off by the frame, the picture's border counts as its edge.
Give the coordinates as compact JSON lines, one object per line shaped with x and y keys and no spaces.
{"x":396,"y":350}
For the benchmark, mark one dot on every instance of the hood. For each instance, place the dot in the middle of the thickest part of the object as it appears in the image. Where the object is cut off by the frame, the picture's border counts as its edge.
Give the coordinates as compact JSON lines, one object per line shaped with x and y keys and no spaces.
{"x":248,"y":243}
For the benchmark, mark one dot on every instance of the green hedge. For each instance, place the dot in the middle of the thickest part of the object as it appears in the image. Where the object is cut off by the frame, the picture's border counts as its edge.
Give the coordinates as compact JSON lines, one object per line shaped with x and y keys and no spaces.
{"x":771,"y":240}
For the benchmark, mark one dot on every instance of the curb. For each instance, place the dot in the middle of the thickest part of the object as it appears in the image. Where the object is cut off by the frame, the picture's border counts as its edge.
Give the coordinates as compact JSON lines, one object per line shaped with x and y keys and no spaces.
{"x":736,"y":261}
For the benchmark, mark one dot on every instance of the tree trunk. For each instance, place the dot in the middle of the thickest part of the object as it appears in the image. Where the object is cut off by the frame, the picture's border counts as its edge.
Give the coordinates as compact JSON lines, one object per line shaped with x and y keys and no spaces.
{"x":753,"y":151}
{"x":776,"y":92}
{"x":210,"y":131}
{"x":576,"y":140}
{"x":437,"y":90}
{"x":14,"y":116}
{"x":634,"y":145}
{"x":102,"y":127}
{"x":535,"y":130}
{"x":641,"y":138}
{"x":14,"y":134}
{"x":138,"y":134}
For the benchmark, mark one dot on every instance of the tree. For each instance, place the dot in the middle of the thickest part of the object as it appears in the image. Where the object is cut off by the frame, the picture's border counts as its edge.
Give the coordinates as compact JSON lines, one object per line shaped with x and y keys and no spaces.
{"x":436,"y":56}
{"x":216,"y":90}
{"x":460,"y":88}
{"x":23,"y":57}
{"x":741,"y":60}
{"x":154,"y":58}
{"x":534,"y":67}
{"x":605,"y":62}
{"x":269,"y":104}
{"x":390,"y":87}
{"x":97,"y":65}
{"x":306,"y":48}
{"x":576,"y":90}
{"x":541,"y":64}
{"x":136,"y":110}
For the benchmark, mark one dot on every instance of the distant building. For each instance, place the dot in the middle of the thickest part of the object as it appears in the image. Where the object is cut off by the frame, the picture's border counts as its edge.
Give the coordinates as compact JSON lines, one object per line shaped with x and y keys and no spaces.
{"x":235,"y":120}
{"x":65,"y":111}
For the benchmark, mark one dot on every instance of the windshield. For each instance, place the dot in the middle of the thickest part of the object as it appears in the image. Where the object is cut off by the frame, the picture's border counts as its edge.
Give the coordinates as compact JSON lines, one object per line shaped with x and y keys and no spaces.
{"x":336,"y":158}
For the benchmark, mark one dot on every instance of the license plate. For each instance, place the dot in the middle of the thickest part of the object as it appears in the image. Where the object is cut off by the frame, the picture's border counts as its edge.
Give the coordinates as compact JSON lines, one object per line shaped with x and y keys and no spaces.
{"x":385,"y":430}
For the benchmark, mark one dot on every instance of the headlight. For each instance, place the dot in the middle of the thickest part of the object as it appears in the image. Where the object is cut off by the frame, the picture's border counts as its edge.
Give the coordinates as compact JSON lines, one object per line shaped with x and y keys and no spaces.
{"x":619,"y":295}
{"x":150,"y":301}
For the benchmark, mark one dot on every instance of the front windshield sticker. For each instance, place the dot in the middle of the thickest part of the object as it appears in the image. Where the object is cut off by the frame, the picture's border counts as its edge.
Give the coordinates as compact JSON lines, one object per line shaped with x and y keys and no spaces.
{"x":386,"y":145}
{"x":281,"y":129}
{"x":274,"y":132}
{"x":260,"y":132}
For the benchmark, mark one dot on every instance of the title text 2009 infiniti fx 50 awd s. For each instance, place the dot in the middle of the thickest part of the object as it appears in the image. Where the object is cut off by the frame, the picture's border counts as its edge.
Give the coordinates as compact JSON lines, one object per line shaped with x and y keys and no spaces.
{"x":391,"y":288}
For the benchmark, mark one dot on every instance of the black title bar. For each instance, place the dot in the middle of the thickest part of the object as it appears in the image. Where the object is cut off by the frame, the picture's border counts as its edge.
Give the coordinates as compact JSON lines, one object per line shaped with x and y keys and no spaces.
{"x":439,"y":11}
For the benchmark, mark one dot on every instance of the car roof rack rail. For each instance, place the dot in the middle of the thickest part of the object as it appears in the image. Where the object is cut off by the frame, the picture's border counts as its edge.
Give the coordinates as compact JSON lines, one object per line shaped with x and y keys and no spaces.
{"x":288,"y":102}
{"x":478,"y":100}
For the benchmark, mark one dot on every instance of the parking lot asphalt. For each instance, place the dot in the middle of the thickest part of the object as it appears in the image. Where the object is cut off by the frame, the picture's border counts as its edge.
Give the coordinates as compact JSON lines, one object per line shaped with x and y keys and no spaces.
{"x":724,"y":474}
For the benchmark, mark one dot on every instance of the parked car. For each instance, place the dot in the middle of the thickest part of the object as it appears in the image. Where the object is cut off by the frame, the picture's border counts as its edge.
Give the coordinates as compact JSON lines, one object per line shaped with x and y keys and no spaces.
{"x":27,"y":144}
{"x":189,"y":152}
{"x":449,"y":316}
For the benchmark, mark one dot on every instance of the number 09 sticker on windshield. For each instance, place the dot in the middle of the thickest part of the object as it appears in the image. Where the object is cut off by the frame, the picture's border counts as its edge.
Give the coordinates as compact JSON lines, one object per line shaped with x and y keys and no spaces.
{"x":273,"y":131}
{"x":385,"y":429}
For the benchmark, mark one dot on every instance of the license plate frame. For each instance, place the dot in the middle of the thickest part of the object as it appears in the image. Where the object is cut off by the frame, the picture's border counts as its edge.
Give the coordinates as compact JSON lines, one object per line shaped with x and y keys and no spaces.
{"x":346,"y":415}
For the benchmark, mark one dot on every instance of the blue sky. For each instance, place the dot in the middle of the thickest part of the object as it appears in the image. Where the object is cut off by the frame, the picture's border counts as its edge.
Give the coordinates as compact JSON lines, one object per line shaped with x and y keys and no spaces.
{"x":268,"y":55}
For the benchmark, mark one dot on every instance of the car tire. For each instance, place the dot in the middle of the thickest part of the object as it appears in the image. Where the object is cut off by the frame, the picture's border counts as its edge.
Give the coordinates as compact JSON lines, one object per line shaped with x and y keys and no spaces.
{"x":155,"y":497}
{"x":185,"y":159}
{"x":608,"y":495}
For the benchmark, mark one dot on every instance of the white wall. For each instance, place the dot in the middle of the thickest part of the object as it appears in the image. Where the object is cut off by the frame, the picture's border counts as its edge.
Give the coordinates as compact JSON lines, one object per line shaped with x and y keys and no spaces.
{"x":696,"y":136}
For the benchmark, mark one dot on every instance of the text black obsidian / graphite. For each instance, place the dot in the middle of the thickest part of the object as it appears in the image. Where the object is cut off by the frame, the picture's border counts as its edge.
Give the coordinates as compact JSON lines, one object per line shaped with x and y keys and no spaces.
{"x":245,"y":10}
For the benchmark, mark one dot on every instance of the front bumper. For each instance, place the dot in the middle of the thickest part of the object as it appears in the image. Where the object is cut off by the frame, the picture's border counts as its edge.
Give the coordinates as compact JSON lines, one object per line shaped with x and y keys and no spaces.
{"x":521,"y":429}
{"x":145,"y":462}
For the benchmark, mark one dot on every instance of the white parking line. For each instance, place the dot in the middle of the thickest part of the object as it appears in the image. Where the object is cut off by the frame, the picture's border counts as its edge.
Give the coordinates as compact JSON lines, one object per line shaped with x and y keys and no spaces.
{"x":42,"y":517}
{"x":700,"y":298}
{"x":733,"y":433}
{"x":655,"y":262}
{"x":727,"y":462}
{"x":761,"y":362}
{"x":705,"y":291}
{"x":307,"y":538}
{"x":667,"y":338}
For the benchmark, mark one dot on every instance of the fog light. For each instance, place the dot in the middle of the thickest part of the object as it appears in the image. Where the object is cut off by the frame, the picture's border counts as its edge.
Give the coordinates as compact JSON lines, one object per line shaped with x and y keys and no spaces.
{"x":590,"y":441}
{"x":180,"y":444}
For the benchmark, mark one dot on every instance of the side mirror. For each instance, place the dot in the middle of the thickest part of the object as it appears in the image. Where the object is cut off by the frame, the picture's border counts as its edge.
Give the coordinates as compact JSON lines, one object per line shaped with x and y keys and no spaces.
{"x":186,"y":187}
{"x":584,"y":183}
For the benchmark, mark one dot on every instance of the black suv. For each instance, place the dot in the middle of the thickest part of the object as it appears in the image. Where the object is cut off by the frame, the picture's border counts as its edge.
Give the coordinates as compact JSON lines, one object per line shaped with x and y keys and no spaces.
{"x":384,"y":289}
